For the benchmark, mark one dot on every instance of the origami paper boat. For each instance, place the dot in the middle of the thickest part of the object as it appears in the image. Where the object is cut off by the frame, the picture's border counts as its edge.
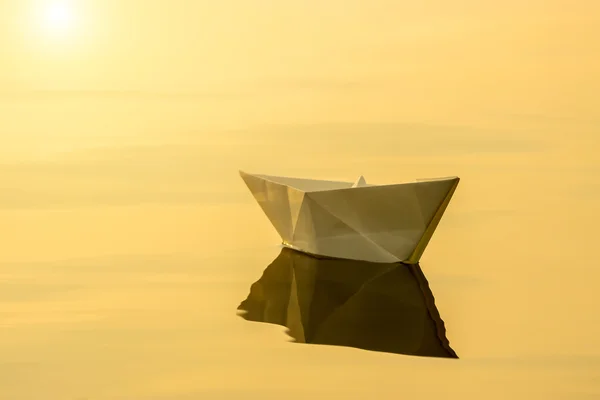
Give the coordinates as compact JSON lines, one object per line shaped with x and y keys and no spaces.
{"x":357,"y":221}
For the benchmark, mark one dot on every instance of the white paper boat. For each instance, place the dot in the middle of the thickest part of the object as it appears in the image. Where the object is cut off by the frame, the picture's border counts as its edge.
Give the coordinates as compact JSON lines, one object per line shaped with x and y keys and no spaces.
{"x":357,"y":221}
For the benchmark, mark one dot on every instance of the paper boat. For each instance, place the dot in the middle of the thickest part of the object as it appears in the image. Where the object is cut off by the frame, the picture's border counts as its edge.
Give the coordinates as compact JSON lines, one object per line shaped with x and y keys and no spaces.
{"x":357,"y":221}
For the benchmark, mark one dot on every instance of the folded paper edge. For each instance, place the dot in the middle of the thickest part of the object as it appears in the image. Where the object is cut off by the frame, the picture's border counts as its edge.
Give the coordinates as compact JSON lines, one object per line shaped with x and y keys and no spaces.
{"x":429,"y":231}
{"x":360,"y":187}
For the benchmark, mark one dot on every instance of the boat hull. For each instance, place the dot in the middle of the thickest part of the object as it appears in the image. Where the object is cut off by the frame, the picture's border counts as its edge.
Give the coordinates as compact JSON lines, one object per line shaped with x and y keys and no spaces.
{"x":377,"y":223}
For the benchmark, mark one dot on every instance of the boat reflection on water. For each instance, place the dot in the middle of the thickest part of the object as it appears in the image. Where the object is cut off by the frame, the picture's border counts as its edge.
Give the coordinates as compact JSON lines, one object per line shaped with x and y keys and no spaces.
{"x":371,"y":306}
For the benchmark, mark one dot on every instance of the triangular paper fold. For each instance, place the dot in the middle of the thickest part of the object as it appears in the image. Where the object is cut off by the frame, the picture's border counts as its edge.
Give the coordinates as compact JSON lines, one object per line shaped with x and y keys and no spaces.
{"x":378,"y":223}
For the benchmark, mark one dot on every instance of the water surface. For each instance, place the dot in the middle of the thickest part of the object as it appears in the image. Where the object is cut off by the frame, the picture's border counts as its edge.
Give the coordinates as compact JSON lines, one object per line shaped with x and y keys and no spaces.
{"x":128,"y":240}
{"x":371,"y":306}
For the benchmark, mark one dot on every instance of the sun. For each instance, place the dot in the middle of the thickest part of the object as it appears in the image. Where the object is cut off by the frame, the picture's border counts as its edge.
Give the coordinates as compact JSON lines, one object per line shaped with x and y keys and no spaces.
{"x":57,"y":17}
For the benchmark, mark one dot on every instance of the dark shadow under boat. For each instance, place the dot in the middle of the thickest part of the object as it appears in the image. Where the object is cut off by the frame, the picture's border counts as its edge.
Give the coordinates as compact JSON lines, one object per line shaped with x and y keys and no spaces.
{"x":371,"y":306}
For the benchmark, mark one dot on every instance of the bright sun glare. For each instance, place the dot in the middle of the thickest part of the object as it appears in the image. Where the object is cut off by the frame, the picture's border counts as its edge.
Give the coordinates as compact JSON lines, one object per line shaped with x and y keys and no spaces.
{"x":57,"y":17}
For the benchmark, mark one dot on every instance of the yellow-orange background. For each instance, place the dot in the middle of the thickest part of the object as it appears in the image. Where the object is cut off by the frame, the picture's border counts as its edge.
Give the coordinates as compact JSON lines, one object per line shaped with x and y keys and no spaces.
{"x":127,"y":238}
